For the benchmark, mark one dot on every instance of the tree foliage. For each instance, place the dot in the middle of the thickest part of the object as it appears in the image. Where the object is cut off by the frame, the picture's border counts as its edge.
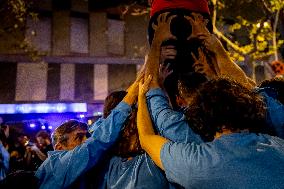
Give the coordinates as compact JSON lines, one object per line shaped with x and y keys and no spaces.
{"x":250,"y":28}
{"x":13,"y":18}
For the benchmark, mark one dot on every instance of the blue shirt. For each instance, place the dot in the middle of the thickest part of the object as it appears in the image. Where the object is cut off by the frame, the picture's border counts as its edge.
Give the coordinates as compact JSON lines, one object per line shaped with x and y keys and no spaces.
{"x":4,"y":161}
{"x":62,"y":168}
{"x":275,"y":110}
{"x":138,"y":172}
{"x":239,"y":160}
{"x":169,"y":123}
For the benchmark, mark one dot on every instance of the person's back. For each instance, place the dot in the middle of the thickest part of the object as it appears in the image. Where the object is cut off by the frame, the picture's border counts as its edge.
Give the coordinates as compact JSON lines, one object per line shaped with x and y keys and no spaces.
{"x":238,"y":160}
{"x":129,"y":165}
{"x":137,"y":172}
{"x":273,"y":93}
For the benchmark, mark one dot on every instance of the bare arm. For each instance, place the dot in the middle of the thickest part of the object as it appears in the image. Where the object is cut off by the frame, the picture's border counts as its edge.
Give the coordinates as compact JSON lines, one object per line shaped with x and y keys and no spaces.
{"x":224,"y":64}
{"x":162,"y":33}
{"x":149,"y":141}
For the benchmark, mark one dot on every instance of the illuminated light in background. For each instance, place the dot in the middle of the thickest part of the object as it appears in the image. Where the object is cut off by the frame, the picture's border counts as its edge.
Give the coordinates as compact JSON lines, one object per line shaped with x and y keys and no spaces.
{"x":50,"y":127}
{"x":25,"y":108}
{"x":79,"y":107}
{"x":81,"y":116}
{"x":43,"y":127}
{"x":266,"y":24}
{"x":32,"y":125}
{"x":90,"y":122}
{"x":42,"y":108}
{"x":61,"y":107}
{"x":98,"y":113}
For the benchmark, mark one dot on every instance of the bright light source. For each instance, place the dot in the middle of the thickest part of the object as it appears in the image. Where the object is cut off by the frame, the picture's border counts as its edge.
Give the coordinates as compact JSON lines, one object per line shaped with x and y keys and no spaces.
{"x":98,"y":113}
{"x":81,"y":115}
{"x":43,"y":127}
{"x":42,"y":108}
{"x":50,"y":127}
{"x":90,"y":122}
{"x":258,"y":25}
{"x":32,"y":125}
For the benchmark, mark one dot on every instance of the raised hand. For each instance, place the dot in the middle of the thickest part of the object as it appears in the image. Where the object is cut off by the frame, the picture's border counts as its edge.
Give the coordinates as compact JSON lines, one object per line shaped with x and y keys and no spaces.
{"x":201,"y":65}
{"x":164,"y":72}
{"x":212,"y":43}
{"x":198,"y":24}
{"x":168,"y":52}
{"x":163,"y":28}
{"x":144,"y":86}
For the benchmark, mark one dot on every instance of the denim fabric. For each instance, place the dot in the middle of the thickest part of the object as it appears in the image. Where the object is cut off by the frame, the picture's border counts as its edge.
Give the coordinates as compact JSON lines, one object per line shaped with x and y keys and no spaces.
{"x":169,"y":123}
{"x":62,"y":168}
{"x":4,"y":162}
{"x":239,"y":160}
{"x":138,"y":172}
{"x":275,"y":110}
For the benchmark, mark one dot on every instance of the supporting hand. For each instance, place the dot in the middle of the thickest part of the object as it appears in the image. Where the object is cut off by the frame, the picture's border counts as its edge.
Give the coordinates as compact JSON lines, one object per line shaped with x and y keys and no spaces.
{"x":201,"y":65}
{"x":198,"y":24}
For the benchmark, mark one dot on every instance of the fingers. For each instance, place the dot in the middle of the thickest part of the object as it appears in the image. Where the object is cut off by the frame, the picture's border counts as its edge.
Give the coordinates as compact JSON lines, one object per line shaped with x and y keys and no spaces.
{"x":191,"y":21}
{"x":154,"y":26}
{"x":147,"y":82}
{"x":165,"y":70}
{"x":144,"y":86}
{"x":194,"y":57}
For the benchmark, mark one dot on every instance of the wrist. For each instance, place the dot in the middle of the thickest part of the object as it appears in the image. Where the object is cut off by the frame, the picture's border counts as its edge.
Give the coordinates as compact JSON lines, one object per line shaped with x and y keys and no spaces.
{"x":130,"y":100}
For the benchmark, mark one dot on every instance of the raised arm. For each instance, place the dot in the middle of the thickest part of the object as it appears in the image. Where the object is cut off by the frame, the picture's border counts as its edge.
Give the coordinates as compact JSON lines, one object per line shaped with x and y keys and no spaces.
{"x":162,"y":33}
{"x":149,"y":141}
{"x":107,"y":129}
{"x":223,"y":64}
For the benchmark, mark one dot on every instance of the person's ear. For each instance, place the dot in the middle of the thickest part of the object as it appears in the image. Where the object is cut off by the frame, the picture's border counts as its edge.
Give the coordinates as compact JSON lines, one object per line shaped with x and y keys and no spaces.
{"x":58,"y":146}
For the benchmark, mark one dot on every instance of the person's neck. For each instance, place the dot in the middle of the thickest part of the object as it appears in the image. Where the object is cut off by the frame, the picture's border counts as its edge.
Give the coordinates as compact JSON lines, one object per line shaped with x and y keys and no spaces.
{"x":224,"y":132}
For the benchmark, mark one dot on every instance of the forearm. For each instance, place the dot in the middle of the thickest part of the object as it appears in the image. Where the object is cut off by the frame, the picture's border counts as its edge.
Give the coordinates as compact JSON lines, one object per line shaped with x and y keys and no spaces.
{"x":169,"y":123}
{"x":230,"y":69}
{"x":152,"y":63}
{"x":150,"y":142}
{"x":107,"y":130}
{"x":144,"y":122}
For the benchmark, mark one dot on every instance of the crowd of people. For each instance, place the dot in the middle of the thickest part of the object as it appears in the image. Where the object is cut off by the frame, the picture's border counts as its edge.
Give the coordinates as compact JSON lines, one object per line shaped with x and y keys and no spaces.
{"x":217,"y":130}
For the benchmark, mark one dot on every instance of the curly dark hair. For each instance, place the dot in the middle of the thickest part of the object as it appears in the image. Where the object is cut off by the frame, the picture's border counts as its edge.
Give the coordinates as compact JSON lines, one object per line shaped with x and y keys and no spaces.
{"x":223,"y":103}
{"x":276,"y":83}
{"x":128,"y":143}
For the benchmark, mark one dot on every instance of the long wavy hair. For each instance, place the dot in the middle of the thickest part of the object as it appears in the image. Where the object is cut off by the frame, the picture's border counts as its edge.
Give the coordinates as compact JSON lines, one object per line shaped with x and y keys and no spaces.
{"x":128,"y":143}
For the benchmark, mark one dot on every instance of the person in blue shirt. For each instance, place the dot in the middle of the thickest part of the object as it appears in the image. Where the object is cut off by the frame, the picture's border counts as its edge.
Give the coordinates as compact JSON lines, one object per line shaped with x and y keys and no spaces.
{"x":75,"y":155}
{"x":173,"y":124}
{"x":128,"y":165}
{"x":4,"y":154}
{"x":238,"y":157}
{"x":273,"y":93}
